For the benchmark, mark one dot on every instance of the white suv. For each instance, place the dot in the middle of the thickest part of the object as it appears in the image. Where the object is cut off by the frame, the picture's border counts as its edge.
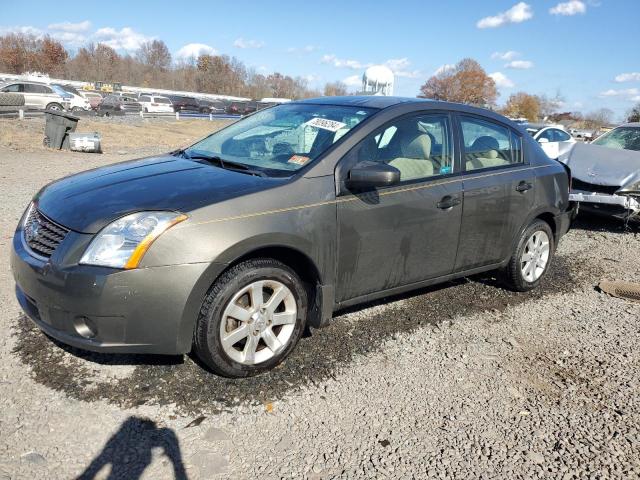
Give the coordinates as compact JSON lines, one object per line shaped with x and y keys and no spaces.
{"x":155,"y":104}
{"x":37,"y":95}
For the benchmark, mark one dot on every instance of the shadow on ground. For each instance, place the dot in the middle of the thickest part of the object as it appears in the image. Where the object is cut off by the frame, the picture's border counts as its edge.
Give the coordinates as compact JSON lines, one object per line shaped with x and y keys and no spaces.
{"x":193,"y":390}
{"x":128,"y":453}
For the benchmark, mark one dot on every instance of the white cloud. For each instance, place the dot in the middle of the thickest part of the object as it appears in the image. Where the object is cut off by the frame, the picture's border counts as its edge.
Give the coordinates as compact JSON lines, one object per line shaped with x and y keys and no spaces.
{"x":341,"y":63}
{"x":242,"y":43}
{"x":627,"y":92}
{"x":516,"y":14}
{"x":72,"y":39}
{"x":447,"y":67}
{"x":628,"y":77}
{"x":520,"y":64}
{"x":578,"y":104}
{"x":71,"y":27}
{"x":305,"y":49}
{"x":353,"y":81}
{"x":502,"y":81}
{"x":572,"y":7}
{"x":123,"y":39}
{"x":25,"y":29}
{"x":312,"y":78}
{"x":194,"y":50}
{"x":507,"y":56}
{"x":400,"y":67}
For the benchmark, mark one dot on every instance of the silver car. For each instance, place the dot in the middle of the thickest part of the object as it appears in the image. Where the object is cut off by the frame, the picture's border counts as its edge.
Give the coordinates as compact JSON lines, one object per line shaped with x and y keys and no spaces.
{"x":606,"y":173}
{"x":37,"y":95}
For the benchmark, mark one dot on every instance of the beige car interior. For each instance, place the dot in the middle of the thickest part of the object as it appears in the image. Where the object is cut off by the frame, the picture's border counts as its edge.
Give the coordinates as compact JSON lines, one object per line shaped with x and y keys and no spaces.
{"x":484,"y":153}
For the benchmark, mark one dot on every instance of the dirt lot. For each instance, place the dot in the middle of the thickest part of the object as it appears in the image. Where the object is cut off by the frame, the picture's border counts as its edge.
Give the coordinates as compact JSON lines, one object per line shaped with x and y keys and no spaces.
{"x":123,"y":135}
{"x":465,"y":380}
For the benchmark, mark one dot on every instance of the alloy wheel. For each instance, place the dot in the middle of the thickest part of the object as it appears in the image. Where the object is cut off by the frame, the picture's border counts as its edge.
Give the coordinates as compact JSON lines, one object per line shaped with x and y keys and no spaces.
{"x":535,"y":256}
{"x":258,"y":322}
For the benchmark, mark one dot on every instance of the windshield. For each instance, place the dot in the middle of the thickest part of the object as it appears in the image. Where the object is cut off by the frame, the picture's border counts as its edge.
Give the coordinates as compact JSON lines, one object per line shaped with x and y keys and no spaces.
{"x":61,"y":91}
{"x":283,"y":138}
{"x":627,"y":138}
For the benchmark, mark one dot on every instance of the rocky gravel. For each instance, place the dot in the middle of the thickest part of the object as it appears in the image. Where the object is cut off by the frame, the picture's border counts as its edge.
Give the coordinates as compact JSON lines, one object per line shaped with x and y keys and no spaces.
{"x":463,"y":380}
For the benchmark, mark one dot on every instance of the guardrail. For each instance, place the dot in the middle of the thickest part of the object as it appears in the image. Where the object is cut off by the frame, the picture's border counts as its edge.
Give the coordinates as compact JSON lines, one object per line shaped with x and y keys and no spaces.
{"x":22,"y":113}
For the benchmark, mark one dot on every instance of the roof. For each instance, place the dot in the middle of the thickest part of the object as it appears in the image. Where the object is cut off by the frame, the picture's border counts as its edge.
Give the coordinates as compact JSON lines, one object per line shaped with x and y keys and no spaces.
{"x":371,"y":101}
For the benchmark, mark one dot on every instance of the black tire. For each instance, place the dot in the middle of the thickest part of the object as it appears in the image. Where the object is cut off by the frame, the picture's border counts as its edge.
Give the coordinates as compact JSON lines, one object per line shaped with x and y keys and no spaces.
{"x":54,"y":106}
{"x":512,"y":275}
{"x":8,"y":99}
{"x":76,"y":109}
{"x":207,"y":342}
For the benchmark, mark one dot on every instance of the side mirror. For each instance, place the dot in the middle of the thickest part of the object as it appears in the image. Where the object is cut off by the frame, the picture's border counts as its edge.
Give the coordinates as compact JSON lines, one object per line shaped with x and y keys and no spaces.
{"x":543,"y":140}
{"x":372,"y":174}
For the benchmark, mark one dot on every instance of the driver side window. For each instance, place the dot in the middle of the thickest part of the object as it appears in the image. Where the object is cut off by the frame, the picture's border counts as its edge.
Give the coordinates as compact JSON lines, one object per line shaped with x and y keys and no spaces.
{"x":419,"y":146}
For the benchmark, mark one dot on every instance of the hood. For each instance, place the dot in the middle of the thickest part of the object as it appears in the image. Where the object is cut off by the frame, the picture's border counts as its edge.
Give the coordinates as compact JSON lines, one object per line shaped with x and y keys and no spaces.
{"x":604,"y":165}
{"x":88,"y":201}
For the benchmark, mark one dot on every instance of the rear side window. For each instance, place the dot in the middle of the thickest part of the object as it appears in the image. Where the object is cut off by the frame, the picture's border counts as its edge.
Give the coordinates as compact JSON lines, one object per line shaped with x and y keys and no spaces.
{"x":15,"y":88}
{"x":162,"y":100}
{"x":144,"y":98}
{"x":488,"y":144}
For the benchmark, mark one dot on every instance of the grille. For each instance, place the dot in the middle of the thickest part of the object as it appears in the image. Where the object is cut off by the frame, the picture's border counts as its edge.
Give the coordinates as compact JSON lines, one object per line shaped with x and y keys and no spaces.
{"x":593,"y":188}
{"x":42,"y":235}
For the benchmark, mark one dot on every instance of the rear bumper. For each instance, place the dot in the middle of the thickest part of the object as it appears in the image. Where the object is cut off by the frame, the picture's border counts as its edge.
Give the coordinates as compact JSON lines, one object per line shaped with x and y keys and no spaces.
{"x":147,"y":310}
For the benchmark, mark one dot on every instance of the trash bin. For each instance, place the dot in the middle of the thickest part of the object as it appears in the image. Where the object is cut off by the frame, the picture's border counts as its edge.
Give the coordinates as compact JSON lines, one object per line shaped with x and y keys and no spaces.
{"x":57,"y":128}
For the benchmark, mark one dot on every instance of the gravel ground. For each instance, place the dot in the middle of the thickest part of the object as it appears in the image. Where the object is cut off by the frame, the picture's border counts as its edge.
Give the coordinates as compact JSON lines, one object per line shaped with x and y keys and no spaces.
{"x":463,"y":380}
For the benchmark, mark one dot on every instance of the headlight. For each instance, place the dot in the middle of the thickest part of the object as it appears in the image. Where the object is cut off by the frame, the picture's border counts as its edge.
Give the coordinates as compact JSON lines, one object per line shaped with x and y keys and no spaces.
{"x":123,"y":243}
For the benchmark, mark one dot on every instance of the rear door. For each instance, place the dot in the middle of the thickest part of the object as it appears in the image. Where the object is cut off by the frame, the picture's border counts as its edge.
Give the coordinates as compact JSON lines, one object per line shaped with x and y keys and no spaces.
{"x":406,"y":233}
{"x":498,"y":189}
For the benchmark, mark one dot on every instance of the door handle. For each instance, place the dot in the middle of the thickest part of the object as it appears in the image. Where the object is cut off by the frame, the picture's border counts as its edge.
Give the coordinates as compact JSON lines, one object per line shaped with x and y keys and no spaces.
{"x":523,"y":186}
{"x":448,"y":202}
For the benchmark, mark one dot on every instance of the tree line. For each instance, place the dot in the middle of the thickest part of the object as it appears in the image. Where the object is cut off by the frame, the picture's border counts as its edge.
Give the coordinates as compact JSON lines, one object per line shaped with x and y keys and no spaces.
{"x":150,"y":66}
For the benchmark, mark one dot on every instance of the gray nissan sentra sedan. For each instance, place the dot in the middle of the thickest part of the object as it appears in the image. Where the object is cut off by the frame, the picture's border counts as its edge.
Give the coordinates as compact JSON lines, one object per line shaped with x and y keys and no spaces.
{"x":231,"y":247}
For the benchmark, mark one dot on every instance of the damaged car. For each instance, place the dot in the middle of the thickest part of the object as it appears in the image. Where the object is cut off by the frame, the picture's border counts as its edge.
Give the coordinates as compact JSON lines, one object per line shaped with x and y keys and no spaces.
{"x":606,"y":173}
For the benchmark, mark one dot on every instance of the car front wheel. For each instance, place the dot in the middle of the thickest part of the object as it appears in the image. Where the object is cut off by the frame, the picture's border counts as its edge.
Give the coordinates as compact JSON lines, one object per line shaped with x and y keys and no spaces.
{"x":251,"y":319}
{"x":532,"y":258}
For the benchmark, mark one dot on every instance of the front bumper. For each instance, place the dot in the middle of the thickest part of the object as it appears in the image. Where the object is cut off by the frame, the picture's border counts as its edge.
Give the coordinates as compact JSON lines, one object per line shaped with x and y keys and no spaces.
{"x":147,"y":310}
{"x":616,"y":205}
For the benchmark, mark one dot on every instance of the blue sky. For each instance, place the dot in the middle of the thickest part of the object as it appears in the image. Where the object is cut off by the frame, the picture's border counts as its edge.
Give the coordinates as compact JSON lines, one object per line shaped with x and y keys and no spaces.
{"x":584,"y":49}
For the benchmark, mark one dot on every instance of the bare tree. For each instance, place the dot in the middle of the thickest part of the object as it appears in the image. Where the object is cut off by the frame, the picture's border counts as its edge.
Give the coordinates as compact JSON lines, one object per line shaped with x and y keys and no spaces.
{"x":634,"y":114}
{"x":467,"y":82}
{"x":155,"y":55}
{"x":335,"y":89}
{"x":598,"y":118}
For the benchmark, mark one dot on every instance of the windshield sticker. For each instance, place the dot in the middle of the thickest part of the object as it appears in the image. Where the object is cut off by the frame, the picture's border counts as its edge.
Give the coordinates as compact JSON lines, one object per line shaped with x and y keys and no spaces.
{"x":298,"y":159}
{"x":325,"y":124}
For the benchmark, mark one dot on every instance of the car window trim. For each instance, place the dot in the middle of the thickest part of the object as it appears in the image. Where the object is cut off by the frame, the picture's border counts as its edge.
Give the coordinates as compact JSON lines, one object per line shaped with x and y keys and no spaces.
{"x":461,"y":148}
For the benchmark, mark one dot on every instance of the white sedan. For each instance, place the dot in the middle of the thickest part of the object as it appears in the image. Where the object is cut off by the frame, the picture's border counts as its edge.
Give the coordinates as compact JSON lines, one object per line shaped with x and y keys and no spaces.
{"x":155,"y":104}
{"x":555,"y":141}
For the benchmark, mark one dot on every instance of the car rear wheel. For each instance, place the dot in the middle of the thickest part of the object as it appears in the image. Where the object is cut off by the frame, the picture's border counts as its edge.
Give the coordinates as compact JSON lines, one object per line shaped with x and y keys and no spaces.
{"x":532,"y":258}
{"x":251,"y":319}
{"x":54,"y":106}
{"x":76,"y":109}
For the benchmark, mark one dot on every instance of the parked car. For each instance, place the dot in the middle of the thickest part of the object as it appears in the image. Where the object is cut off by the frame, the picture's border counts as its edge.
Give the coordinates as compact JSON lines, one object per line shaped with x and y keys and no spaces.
{"x":211,"y":106}
{"x":77,"y":103}
{"x":94,"y":99}
{"x":117,"y":105}
{"x":184,"y":104}
{"x":606,"y":173}
{"x":242,"y":108}
{"x":234,"y":245}
{"x":38,"y":95}
{"x":581,"y":134}
{"x":553,"y":139}
{"x":155,"y":104}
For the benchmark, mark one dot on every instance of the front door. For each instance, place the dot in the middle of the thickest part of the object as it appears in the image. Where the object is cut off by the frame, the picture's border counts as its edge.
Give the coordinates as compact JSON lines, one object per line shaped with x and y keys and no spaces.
{"x":498,"y":191}
{"x":406,"y":233}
